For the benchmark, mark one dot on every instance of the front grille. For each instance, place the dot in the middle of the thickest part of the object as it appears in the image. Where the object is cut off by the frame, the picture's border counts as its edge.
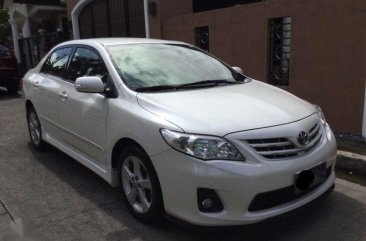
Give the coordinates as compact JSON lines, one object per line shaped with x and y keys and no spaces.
{"x":281,"y":196}
{"x":280,"y":148}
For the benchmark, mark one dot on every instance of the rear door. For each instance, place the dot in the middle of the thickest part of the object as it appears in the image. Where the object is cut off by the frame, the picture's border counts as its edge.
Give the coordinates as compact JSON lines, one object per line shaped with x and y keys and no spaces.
{"x":46,"y":86}
{"x":83,"y":115}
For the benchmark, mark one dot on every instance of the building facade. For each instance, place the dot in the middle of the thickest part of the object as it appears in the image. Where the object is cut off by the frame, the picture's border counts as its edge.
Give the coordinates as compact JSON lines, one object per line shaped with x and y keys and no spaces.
{"x":113,"y":18}
{"x":326,"y":52}
{"x":28,"y":17}
{"x":314,"y":49}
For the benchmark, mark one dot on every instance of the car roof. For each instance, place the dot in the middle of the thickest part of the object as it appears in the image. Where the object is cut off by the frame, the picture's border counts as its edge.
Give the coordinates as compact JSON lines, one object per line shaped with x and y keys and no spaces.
{"x":115,"y":41}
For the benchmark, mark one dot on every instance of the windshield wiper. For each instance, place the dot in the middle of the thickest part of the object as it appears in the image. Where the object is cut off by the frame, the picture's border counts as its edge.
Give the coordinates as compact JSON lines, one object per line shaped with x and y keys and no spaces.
{"x":199,"y":84}
{"x":210,"y":82}
{"x":156,"y":88}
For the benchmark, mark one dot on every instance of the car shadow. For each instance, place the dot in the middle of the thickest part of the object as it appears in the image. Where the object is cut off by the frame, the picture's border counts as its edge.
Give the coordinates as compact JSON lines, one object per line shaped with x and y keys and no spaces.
{"x":336,"y":217}
{"x":5,"y":95}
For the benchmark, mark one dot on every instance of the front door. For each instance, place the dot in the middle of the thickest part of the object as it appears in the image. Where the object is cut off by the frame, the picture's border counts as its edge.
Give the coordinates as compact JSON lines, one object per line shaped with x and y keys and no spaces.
{"x":83,"y":116}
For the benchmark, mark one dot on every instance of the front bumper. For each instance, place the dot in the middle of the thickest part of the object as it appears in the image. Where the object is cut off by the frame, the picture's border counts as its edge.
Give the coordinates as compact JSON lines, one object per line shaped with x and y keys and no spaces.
{"x":236,"y":183}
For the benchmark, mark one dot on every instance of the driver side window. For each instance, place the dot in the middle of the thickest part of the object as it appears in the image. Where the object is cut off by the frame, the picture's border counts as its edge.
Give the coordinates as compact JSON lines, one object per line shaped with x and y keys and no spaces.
{"x":86,"y":62}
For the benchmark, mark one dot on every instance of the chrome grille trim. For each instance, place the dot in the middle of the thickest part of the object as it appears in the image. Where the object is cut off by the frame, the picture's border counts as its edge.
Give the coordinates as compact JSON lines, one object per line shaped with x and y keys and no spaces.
{"x":283,"y":143}
{"x":282,"y":147}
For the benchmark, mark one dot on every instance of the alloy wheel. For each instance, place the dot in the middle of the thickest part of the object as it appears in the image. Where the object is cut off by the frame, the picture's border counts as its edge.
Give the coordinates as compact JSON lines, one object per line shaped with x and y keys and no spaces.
{"x":34,"y":128}
{"x":136,"y":184}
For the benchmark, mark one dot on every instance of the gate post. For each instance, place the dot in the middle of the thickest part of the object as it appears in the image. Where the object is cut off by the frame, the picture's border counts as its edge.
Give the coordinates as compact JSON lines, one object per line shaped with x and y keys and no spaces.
{"x":15,"y":35}
{"x":42,"y":43}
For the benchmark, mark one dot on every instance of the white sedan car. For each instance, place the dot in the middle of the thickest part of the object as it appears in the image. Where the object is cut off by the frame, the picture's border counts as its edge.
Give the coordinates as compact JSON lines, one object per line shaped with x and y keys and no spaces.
{"x":179,"y":131}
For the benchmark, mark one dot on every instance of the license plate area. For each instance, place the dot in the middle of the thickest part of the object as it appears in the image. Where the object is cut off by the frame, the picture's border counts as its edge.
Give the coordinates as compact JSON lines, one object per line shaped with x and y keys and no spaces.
{"x":308,"y":179}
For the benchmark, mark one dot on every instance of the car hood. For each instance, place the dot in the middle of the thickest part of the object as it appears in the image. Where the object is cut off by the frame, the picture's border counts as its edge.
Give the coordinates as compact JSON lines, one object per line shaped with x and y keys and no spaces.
{"x":226,"y":109}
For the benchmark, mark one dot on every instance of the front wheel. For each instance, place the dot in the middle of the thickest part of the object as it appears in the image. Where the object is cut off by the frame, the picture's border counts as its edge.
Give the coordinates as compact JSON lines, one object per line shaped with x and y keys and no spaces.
{"x":140,"y":185}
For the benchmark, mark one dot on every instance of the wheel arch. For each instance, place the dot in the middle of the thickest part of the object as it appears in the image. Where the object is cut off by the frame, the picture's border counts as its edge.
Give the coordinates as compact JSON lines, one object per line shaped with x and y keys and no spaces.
{"x":118,"y":148}
{"x":120,"y":145}
{"x":28,"y":105}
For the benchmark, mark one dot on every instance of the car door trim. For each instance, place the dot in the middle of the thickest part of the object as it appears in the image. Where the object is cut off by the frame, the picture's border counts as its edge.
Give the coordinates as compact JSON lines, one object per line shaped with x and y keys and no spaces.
{"x":74,"y":134}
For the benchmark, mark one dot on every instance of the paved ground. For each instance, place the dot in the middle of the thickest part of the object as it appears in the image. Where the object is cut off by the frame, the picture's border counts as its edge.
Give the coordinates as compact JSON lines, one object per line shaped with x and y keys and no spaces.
{"x":62,"y":200}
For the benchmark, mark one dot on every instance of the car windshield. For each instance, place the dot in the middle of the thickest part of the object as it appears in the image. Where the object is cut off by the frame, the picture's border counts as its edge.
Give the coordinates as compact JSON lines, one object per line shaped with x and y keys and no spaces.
{"x":157,"y":65}
{"x":4,"y":51}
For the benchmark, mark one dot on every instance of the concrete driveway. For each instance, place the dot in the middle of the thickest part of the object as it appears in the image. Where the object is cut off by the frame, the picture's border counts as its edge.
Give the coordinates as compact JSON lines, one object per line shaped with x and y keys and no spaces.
{"x":60,"y":199}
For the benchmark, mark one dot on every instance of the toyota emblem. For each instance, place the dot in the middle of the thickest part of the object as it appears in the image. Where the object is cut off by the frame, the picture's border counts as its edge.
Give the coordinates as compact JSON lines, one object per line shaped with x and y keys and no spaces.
{"x":303,"y":138}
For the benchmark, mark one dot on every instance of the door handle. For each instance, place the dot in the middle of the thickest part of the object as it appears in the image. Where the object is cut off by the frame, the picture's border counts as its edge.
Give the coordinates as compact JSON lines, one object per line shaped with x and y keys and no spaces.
{"x":35,"y":84}
{"x":63,"y":95}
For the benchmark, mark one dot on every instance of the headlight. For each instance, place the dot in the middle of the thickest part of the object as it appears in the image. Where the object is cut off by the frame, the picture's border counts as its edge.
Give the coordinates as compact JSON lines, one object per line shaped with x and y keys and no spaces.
{"x":200,"y":146}
{"x":321,"y":114}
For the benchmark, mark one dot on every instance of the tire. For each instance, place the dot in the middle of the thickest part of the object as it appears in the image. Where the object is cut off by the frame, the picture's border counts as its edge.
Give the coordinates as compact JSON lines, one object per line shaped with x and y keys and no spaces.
{"x":12,"y":88}
{"x":35,"y":130}
{"x":140,"y":186}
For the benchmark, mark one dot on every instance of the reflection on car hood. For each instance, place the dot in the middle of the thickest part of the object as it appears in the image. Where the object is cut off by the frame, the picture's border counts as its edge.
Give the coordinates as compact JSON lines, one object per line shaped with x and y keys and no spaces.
{"x":227,"y":109}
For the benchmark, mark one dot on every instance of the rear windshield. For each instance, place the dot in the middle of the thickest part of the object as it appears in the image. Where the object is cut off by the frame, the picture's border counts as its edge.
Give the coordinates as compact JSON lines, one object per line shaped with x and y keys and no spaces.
{"x":4,"y":51}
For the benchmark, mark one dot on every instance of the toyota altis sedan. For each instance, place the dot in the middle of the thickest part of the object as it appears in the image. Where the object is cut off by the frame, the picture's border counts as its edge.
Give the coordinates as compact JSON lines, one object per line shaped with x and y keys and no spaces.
{"x":179,"y":131}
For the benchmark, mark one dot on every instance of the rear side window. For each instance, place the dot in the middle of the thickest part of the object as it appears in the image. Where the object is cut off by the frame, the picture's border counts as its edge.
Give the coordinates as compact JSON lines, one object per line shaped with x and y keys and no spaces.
{"x":86,"y":62}
{"x":56,"y":62}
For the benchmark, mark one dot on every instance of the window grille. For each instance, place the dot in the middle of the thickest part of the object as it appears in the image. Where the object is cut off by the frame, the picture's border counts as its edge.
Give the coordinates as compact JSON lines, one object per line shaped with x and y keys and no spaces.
{"x":279,"y":51}
{"x":202,"y":38}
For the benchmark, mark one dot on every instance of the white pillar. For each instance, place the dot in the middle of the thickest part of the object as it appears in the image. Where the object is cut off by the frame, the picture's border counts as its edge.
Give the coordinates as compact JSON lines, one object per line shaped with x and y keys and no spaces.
{"x":75,"y":17}
{"x":24,"y":11}
{"x":26,"y":30}
{"x":364,"y":115}
{"x":75,"y":25}
{"x":15,"y":33}
{"x":146,"y":14}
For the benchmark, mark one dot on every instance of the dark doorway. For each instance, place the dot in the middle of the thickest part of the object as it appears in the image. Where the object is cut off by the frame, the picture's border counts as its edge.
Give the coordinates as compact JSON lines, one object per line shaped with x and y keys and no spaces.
{"x":112,"y":18}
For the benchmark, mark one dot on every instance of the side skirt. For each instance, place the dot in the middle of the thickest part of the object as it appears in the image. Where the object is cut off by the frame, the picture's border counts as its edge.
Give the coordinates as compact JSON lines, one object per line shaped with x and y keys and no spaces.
{"x":92,"y":165}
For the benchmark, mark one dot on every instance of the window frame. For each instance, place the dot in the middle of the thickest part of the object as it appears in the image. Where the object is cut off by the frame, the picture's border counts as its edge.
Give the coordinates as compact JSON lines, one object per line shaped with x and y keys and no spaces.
{"x":197,"y":5}
{"x":41,"y":71}
{"x":113,"y":93}
{"x":198,"y":33}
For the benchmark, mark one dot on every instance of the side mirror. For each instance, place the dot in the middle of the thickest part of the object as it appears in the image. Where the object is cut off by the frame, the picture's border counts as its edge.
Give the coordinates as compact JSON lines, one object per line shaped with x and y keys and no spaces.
{"x":238,"y":69}
{"x":89,"y":84}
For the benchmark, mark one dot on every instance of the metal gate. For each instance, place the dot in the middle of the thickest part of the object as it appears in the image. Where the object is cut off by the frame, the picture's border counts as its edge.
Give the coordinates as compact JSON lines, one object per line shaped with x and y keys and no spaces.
{"x":112,"y":18}
{"x":32,"y":49}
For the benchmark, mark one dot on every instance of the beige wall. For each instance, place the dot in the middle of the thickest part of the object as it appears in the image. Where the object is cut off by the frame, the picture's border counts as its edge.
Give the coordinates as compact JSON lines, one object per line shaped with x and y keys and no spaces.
{"x":328,"y":65}
{"x":167,"y":9}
